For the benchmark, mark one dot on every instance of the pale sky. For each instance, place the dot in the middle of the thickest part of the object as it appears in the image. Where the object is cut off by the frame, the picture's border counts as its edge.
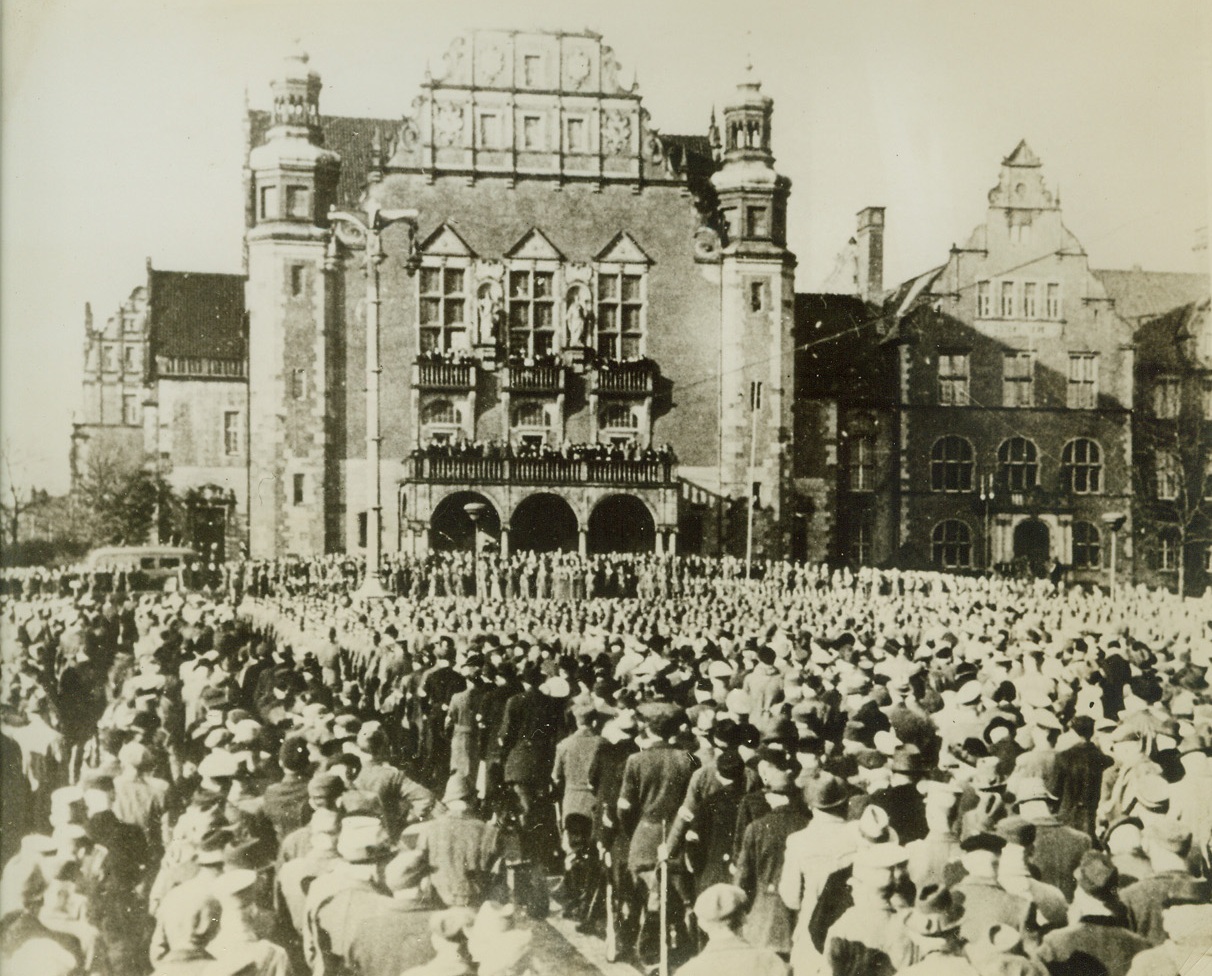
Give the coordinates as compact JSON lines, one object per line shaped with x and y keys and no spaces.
{"x":121,"y":131}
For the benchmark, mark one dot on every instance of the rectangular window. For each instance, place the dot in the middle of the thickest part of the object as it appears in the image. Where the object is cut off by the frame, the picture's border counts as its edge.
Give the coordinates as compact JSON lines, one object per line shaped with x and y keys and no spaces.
{"x":953,"y":379}
{"x":1053,"y":308}
{"x":296,"y":280}
{"x":984,"y":300}
{"x":362,"y":532}
{"x":231,"y":433}
{"x":109,"y":359}
{"x":490,"y":131}
{"x":298,"y":202}
{"x":862,"y":462}
{"x":532,"y":70}
{"x":620,"y":322}
{"x":532,"y":132}
{"x":298,"y":384}
{"x":757,"y":222}
{"x":130,"y":409}
{"x":269,"y":203}
{"x":1083,"y":380}
{"x":1006,"y":291}
{"x":1206,"y":396}
{"x":1167,"y":397}
{"x":1029,"y":306}
{"x":1169,"y":474}
{"x":576,"y":136}
{"x":443,"y":308}
{"x":531,"y":313}
{"x":756,"y":296}
{"x":1018,"y":379}
{"x":297,"y":486}
{"x":861,"y":545}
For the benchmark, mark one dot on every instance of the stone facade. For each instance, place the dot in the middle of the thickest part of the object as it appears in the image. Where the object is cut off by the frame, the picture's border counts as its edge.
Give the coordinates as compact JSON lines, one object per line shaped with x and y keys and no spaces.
{"x":566,"y":293}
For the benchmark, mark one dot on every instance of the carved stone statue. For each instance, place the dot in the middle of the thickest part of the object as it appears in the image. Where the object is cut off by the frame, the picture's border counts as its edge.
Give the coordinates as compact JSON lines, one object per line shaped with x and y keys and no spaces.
{"x":487,"y":318}
{"x":576,"y":319}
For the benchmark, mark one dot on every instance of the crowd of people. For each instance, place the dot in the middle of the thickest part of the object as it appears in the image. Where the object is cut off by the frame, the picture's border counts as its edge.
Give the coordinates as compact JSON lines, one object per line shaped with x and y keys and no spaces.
{"x":568,"y":451}
{"x":817,"y":772}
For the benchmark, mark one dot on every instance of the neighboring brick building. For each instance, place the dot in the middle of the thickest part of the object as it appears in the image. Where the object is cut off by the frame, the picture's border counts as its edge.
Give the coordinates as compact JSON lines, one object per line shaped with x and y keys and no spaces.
{"x":165,"y":386}
{"x":1173,"y":448}
{"x":993,"y":420}
{"x":576,"y":278}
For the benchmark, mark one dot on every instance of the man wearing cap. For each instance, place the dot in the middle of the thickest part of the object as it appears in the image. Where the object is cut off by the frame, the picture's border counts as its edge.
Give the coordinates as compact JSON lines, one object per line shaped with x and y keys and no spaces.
{"x":902,"y":800}
{"x":813,"y":854}
{"x":1167,"y":843}
{"x":711,"y":834}
{"x":295,"y":874}
{"x":1016,"y":874}
{"x":864,"y":938}
{"x":456,"y":851}
{"x":1058,"y":849}
{"x":175,"y":890}
{"x":323,"y":792}
{"x":933,"y":929}
{"x":720,"y":912}
{"x":352,"y":923}
{"x":986,"y":902}
{"x":285,"y":803}
{"x":403,"y":800}
{"x":1187,"y":921}
{"x":760,"y":855}
{"x":1098,"y":934}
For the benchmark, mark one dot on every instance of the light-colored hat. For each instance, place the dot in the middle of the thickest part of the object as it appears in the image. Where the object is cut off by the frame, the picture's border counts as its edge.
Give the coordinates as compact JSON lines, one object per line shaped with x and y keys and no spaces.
{"x":719,"y":903}
{"x":362,"y":840}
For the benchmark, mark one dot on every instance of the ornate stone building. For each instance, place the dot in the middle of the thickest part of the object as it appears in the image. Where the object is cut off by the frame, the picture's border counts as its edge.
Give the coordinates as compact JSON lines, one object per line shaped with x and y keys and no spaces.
{"x":577,"y":327}
{"x":165,"y":386}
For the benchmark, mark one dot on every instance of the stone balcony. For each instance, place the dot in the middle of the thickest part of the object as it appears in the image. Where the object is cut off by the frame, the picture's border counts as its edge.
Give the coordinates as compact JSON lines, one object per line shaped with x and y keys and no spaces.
{"x":522,"y":377}
{"x":625,"y":378}
{"x":430,"y":374}
{"x":620,"y":473}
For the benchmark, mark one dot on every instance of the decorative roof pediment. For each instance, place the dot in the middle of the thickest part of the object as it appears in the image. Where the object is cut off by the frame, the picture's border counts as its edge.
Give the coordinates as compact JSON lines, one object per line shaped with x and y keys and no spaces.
{"x":534,"y":246}
{"x":1022,"y":156}
{"x":445,"y":241}
{"x":623,"y":249}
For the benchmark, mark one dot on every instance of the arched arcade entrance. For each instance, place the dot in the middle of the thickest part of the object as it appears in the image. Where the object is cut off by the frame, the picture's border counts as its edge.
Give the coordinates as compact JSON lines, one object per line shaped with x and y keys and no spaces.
{"x":1032,"y":543}
{"x":621,"y":523}
{"x":452,"y":527}
{"x":543,"y":523}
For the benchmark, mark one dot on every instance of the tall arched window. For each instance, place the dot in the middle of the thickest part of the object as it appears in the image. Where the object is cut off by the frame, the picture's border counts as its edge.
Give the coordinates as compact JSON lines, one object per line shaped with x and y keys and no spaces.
{"x":1083,"y":464}
{"x":618,"y":416}
{"x":1018,"y":464}
{"x":951,"y":464}
{"x":1087,"y":546}
{"x":952,"y":545}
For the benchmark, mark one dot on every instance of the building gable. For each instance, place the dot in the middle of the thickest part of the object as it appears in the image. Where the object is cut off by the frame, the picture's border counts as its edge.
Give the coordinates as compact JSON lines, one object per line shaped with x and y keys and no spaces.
{"x":534,"y":246}
{"x":447,"y":242}
{"x":623,"y":249}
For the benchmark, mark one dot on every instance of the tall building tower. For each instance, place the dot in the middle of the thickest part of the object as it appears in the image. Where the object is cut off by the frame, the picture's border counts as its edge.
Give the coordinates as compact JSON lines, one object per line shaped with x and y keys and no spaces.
{"x":757,"y":310}
{"x":292,"y":184}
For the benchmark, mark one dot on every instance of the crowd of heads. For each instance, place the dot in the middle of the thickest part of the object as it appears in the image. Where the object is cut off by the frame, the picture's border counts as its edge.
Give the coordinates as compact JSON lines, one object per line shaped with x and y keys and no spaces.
{"x":846,"y":771}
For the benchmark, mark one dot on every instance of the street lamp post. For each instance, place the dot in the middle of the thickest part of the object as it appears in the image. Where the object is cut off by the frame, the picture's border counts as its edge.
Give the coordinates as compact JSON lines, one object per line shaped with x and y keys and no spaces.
{"x":352,"y":228}
{"x":1114,"y":521}
{"x":987,"y":494}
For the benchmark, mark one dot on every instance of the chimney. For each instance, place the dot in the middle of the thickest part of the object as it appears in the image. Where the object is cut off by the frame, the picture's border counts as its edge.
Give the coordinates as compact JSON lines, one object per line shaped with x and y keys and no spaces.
{"x":870,"y":238}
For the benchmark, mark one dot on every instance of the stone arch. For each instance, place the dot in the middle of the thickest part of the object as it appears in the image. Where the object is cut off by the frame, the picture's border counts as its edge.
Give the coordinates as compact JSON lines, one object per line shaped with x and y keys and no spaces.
{"x":544,"y":522}
{"x":621,"y":523}
{"x":451,"y":527}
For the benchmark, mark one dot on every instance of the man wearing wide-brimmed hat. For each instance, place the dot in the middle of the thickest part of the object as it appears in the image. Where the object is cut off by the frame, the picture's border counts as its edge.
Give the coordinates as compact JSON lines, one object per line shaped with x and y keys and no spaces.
{"x":720,"y":912}
{"x":1058,"y":848}
{"x":933,"y":929}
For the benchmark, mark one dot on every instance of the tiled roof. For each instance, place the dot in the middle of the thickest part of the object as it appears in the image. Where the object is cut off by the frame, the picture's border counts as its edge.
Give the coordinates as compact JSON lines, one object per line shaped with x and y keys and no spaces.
{"x":349,"y":138}
{"x":1159,"y":341}
{"x":1143,"y":294}
{"x":193,"y":315}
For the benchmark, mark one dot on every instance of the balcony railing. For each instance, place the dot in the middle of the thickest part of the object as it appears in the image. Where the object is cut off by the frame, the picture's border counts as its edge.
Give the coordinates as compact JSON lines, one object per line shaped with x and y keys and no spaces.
{"x":626,"y":379}
{"x":543,"y":471}
{"x":545,"y":378}
{"x":234,"y":369}
{"x":439,"y":375}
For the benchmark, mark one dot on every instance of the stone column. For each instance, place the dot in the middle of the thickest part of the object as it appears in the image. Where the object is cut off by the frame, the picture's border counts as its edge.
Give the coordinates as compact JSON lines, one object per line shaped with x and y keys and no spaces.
{"x":583,"y":541}
{"x":505,"y":540}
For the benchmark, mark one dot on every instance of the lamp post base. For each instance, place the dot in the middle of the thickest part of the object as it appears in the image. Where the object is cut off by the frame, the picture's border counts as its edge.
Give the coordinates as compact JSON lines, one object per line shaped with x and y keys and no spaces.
{"x":372,"y":588}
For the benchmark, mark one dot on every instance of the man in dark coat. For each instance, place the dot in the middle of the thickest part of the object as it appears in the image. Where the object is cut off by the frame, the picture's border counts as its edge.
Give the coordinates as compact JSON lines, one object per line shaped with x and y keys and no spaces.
{"x":285,"y":803}
{"x":1079,"y":778}
{"x":1058,"y":849}
{"x":711,"y":834}
{"x":527,"y":742}
{"x":903,"y":801}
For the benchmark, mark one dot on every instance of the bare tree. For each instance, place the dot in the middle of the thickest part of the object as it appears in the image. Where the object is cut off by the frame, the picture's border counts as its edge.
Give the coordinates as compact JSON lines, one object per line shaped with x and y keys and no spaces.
{"x":17,"y":500}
